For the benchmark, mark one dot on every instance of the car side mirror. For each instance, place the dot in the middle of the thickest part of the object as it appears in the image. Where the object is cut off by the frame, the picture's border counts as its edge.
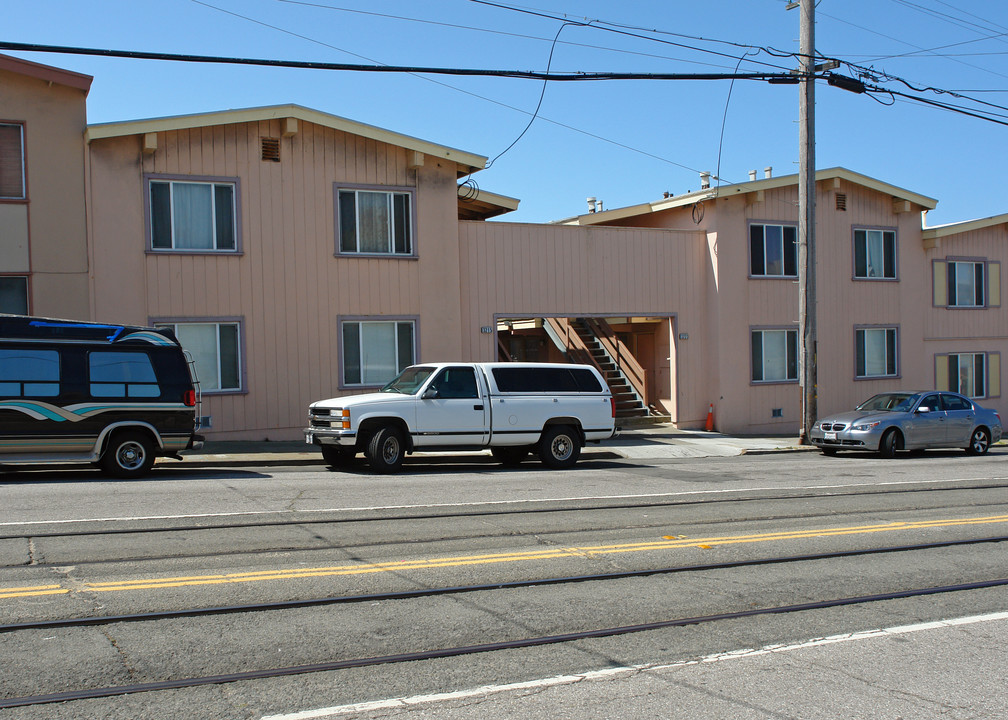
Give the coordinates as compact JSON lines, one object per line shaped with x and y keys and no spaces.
{"x":923,"y":409}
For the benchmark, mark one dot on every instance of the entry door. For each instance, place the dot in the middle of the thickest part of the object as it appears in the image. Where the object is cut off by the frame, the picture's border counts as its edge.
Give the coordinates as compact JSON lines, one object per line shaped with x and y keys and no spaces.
{"x":451,"y":411}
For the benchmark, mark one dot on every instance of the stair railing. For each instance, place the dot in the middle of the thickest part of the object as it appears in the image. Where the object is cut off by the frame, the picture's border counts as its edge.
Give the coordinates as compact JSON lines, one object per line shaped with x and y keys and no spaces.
{"x":572,"y":343}
{"x":625,"y":361}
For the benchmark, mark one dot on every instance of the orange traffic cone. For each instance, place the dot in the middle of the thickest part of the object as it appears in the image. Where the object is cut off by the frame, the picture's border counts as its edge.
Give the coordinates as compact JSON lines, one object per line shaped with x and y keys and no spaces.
{"x":709,"y":425}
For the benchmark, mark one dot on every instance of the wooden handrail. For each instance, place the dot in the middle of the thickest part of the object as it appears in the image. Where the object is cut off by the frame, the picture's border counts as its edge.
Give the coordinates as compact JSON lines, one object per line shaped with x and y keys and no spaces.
{"x":577,"y":351}
{"x":620,"y":353}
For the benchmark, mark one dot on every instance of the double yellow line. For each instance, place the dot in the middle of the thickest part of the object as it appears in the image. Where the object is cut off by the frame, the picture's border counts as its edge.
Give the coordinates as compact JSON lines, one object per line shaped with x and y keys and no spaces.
{"x":587,"y":551}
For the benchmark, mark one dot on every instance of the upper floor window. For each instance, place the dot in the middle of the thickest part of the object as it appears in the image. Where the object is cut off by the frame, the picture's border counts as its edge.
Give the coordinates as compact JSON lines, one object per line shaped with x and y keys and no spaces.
{"x":774,"y":355}
{"x":374,"y":352}
{"x":12,"y":165}
{"x":215,"y":350}
{"x":14,"y":294}
{"x":874,"y":254}
{"x":193,"y":216}
{"x":375,"y":221}
{"x":773,"y":250}
{"x":875,"y":352}
{"x":966,"y":284}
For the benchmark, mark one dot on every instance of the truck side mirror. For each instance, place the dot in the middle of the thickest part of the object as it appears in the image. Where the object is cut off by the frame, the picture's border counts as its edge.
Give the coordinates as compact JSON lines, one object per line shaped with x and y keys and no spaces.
{"x":429,"y":394}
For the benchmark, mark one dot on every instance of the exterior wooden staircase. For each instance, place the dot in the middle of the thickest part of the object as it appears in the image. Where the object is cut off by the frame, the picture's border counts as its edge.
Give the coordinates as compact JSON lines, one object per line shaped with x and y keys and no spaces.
{"x":591,"y":341}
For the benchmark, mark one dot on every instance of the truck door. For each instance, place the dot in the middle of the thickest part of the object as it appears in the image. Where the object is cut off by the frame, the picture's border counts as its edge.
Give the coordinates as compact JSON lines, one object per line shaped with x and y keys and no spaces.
{"x":452,"y":410}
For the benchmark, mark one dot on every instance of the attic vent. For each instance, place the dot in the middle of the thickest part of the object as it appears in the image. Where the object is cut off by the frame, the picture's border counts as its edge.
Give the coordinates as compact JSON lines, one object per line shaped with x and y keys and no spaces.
{"x":841,"y":201}
{"x":271,"y":149}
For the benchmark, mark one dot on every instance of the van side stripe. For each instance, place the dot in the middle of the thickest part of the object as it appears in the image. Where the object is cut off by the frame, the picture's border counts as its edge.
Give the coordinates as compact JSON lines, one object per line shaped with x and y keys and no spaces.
{"x":76,"y":413}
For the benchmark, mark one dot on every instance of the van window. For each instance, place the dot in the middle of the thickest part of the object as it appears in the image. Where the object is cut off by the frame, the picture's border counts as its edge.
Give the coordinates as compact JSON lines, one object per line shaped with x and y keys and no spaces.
{"x":29,"y":372}
{"x":122,"y":374}
{"x":545,"y":379}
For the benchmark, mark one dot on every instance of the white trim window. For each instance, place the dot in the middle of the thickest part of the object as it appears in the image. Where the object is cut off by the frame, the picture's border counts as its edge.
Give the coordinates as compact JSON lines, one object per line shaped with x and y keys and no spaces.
{"x":374,"y":352}
{"x":190,"y":216}
{"x":774,"y":356}
{"x":14,"y":294}
{"x":216,"y":350}
{"x":12,"y":163}
{"x":968,"y":374}
{"x":874,"y":254}
{"x":375,"y":222}
{"x":875,"y":353}
{"x":773,"y":250}
{"x":965,"y":284}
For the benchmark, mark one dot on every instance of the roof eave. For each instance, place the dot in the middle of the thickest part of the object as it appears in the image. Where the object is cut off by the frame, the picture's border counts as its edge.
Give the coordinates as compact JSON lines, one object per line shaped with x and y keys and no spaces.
{"x":466,"y":162}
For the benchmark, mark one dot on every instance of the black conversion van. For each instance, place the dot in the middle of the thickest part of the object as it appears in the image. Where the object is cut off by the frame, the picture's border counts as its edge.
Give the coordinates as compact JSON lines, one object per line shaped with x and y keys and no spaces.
{"x":113,"y":395}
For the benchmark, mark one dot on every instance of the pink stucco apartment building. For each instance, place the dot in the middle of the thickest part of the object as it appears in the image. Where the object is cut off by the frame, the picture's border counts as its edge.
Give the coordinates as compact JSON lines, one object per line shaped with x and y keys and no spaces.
{"x":300,"y":255}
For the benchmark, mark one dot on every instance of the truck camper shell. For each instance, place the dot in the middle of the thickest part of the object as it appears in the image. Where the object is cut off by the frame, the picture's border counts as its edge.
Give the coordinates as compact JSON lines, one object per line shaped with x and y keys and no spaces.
{"x":74,"y":391}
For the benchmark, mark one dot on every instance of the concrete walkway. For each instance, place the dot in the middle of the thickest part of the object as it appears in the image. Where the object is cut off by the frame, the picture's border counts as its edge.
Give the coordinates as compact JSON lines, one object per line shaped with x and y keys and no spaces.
{"x":649,"y":443}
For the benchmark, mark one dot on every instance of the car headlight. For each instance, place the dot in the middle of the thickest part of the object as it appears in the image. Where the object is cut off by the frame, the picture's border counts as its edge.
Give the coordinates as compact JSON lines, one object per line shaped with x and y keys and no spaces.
{"x":862,"y":427}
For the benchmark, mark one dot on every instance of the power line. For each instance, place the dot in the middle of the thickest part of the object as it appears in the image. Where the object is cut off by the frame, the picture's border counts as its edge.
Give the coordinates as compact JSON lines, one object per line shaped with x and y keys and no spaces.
{"x":356,"y":67}
{"x":503,"y":33}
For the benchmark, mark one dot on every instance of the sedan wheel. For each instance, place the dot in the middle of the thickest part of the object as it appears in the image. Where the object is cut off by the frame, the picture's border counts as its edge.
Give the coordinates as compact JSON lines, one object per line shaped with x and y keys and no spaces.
{"x":891,"y":442}
{"x":979,"y":442}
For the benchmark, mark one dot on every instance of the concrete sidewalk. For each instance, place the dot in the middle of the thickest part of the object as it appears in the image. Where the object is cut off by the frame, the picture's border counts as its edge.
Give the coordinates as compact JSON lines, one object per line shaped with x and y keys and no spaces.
{"x":654,"y":442}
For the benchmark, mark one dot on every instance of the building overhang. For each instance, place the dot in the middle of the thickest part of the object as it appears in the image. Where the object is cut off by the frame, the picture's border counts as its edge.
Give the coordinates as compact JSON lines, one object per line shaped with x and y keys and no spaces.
{"x":899,"y":195}
{"x":479,"y":204}
{"x":465,"y":162}
{"x":46,"y":73}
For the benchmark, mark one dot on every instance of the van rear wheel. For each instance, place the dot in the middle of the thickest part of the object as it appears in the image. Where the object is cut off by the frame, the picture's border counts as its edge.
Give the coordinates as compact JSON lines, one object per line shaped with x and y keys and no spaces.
{"x":129,"y":454}
{"x":559,"y":447}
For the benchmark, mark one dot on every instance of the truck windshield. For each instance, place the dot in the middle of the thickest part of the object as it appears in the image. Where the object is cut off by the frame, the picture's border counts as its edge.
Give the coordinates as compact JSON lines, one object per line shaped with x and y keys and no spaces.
{"x":408,"y":382}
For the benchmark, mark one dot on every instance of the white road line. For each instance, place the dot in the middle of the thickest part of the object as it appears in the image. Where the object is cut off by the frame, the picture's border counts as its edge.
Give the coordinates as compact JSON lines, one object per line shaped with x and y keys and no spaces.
{"x":492,"y":503}
{"x":417,"y":700}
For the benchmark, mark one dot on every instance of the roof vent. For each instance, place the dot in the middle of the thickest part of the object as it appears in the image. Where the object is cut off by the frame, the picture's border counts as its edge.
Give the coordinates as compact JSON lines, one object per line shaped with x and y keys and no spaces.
{"x":271,"y":149}
{"x":752,"y":175}
{"x":768,"y":171}
{"x":591,"y":204}
{"x":705,"y":181}
{"x":841,"y":201}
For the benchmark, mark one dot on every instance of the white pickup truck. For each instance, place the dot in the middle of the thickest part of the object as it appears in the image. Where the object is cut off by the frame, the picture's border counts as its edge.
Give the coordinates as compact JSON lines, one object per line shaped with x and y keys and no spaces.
{"x":511,"y":408}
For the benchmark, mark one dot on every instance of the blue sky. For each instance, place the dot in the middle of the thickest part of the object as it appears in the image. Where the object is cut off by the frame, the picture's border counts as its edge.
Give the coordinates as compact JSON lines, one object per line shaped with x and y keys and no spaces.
{"x":624,"y":142}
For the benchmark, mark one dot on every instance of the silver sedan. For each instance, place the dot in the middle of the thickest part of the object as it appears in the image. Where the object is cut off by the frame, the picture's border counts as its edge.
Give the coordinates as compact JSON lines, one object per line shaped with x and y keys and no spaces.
{"x":910,"y":421}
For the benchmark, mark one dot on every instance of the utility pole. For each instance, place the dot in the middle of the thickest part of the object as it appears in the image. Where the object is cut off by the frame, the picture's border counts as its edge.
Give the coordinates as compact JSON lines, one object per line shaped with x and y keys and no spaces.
{"x":806,"y":222}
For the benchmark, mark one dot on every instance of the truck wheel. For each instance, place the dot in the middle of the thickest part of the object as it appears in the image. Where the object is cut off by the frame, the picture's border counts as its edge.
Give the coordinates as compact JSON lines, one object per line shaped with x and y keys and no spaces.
{"x":559,"y":447}
{"x":385,"y":450}
{"x":336,"y":456}
{"x":509,"y":456}
{"x":129,"y":454}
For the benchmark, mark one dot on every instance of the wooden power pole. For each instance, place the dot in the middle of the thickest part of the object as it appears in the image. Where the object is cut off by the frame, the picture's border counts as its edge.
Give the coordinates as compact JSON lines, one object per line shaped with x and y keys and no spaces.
{"x":806,"y":222}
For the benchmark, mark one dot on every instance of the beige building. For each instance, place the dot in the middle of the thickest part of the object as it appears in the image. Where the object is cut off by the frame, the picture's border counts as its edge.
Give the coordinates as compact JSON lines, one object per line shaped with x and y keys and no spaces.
{"x":43,"y":236}
{"x":299,"y":255}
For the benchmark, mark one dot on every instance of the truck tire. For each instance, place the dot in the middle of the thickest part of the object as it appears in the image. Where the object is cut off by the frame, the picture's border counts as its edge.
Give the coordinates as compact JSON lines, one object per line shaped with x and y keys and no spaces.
{"x":559,"y":447}
{"x":385,"y":450}
{"x":128,"y":454}
{"x":336,"y":456}
{"x":510,"y":456}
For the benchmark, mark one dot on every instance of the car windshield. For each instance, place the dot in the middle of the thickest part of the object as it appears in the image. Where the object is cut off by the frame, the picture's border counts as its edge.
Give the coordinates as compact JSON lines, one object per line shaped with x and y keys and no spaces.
{"x":408,"y":382}
{"x":894,"y":402}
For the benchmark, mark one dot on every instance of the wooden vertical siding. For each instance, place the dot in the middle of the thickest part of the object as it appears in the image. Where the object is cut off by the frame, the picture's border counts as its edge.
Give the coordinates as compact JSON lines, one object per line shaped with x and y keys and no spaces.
{"x":285,"y":283}
{"x":523,"y":270}
{"x":969,"y":330}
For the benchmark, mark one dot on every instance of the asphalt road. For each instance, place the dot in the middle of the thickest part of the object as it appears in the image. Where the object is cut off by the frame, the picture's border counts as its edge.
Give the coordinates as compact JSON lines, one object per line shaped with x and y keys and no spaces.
{"x":771,"y":586}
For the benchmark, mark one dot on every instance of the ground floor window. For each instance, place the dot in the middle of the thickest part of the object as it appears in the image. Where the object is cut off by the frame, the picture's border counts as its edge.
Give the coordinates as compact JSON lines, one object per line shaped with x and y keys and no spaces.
{"x":875,"y":352}
{"x":774,"y":355}
{"x":374,"y":352}
{"x":14,"y":294}
{"x":216,"y":351}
